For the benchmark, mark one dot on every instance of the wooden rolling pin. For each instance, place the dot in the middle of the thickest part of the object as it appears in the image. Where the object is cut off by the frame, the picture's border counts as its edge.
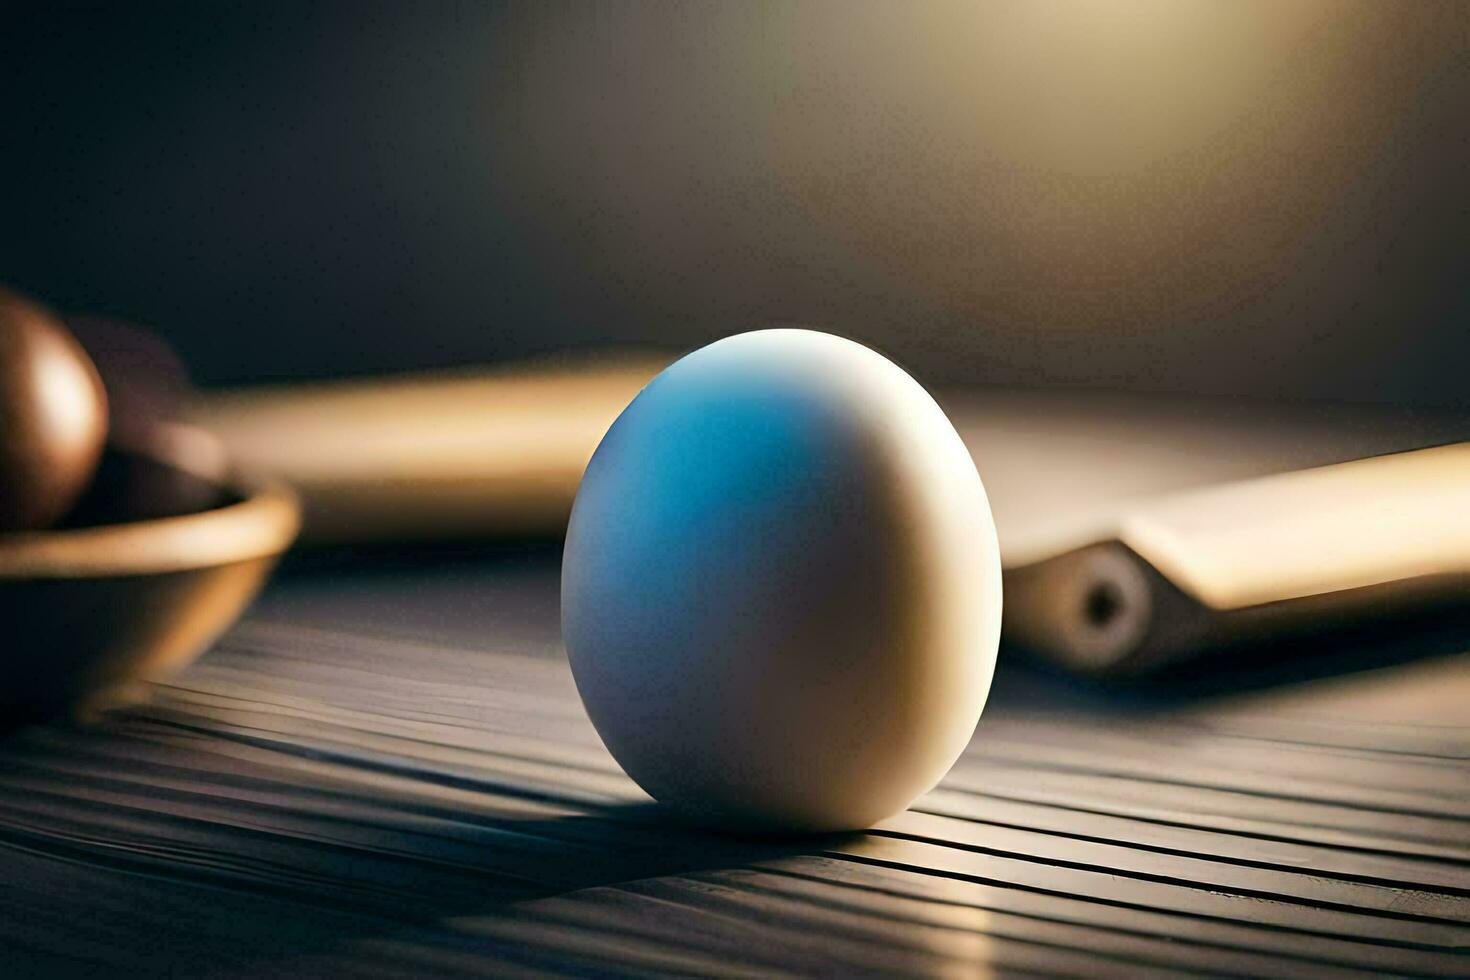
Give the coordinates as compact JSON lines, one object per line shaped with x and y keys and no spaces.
{"x":496,"y":453}
{"x":485,"y":453}
{"x":1242,"y":561}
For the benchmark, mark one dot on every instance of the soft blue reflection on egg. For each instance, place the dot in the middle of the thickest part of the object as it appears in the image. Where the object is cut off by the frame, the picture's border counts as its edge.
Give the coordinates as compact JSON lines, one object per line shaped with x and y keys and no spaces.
{"x":781,"y":587}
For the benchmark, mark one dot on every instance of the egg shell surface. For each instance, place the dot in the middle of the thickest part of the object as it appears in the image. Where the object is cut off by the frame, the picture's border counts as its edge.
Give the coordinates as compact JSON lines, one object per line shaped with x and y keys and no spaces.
{"x":53,"y":416}
{"x":781,"y":587}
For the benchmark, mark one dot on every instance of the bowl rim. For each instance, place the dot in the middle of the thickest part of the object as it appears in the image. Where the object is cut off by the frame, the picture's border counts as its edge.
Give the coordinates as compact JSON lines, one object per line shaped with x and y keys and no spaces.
{"x":261,"y":523}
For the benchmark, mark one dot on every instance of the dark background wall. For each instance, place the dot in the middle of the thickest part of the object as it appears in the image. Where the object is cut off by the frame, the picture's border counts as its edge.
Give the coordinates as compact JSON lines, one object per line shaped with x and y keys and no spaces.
{"x":1241,"y":196}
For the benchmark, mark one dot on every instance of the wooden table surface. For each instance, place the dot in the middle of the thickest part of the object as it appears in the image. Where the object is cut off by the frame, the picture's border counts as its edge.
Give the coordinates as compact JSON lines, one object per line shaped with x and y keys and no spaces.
{"x":385,"y":771}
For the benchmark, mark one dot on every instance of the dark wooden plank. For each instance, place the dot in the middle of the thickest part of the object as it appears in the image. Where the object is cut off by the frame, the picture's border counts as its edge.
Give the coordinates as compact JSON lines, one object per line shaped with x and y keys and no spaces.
{"x":320,"y":800}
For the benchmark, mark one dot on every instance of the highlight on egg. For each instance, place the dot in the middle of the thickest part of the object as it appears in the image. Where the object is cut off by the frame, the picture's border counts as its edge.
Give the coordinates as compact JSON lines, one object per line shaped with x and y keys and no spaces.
{"x":53,"y":416}
{"x":781,"y":587}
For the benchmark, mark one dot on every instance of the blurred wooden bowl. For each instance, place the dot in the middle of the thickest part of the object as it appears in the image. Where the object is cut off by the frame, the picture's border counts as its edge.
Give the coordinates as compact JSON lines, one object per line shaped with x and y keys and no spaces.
{"x":161,"y":556}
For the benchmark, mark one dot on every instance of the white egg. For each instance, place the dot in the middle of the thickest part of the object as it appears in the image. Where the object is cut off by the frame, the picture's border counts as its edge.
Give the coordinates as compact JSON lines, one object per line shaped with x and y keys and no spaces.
{"x":781,"y":588}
